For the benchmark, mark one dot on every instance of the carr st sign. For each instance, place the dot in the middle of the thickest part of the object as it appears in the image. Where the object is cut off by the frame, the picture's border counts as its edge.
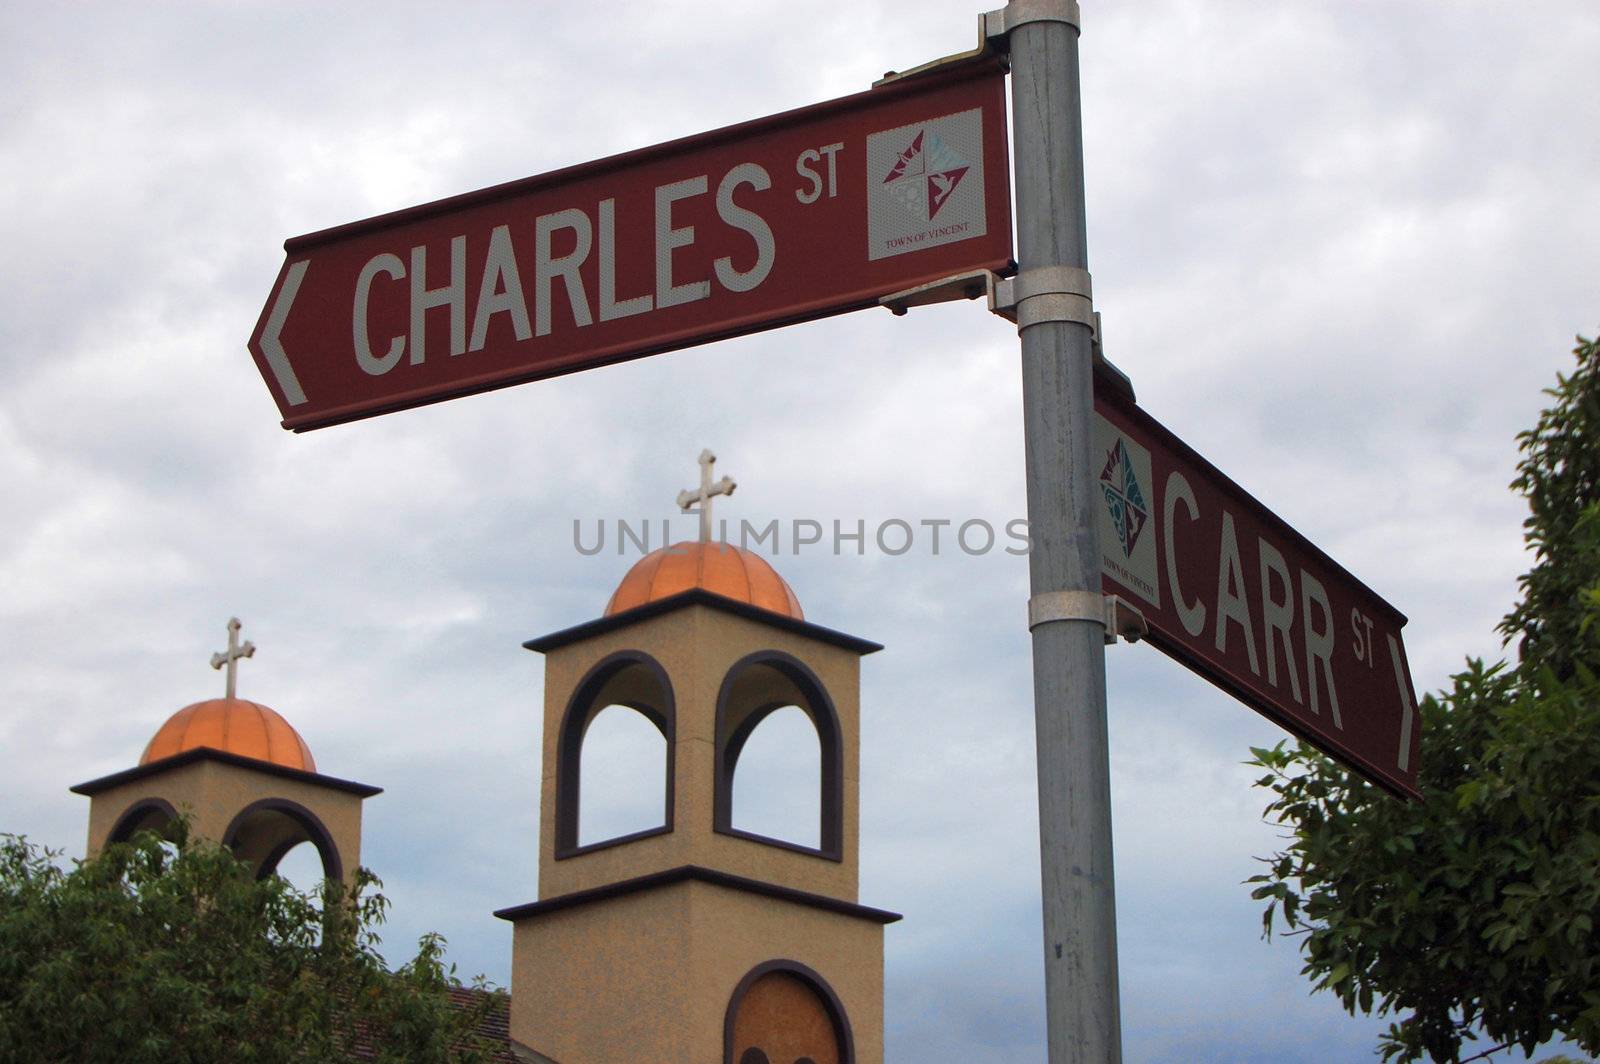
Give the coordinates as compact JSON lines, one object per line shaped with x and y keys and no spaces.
{"x":1234,"y":593}
{"x":795,"y":216}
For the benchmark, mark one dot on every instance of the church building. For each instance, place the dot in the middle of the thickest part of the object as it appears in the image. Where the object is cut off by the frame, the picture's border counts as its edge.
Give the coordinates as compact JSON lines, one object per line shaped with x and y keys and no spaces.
{"x":688,"y":943}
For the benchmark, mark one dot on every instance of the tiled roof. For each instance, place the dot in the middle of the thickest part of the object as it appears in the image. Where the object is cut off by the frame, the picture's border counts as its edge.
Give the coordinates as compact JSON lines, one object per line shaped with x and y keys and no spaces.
{"x":493,"y":1028}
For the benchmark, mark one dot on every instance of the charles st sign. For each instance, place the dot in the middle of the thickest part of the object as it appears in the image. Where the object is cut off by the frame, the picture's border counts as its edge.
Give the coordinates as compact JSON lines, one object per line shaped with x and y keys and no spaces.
{"x":795,"y":216}
{"x":1231,"y":591}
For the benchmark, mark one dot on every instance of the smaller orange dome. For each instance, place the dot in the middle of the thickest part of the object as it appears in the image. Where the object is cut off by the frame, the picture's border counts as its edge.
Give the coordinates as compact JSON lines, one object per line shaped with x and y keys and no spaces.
{"x":233,"y":726}
{"x":721,"y":568}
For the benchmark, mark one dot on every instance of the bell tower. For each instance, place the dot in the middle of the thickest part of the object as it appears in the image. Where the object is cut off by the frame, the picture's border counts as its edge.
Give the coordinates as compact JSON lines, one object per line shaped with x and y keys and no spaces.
{"x":696,"y":941}
{"x":244,"y":777}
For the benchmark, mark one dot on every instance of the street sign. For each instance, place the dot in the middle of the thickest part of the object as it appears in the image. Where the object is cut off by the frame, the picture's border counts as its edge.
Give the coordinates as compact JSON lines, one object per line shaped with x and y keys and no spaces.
{"x":1234,"y":593}
{"x":791,"y":217}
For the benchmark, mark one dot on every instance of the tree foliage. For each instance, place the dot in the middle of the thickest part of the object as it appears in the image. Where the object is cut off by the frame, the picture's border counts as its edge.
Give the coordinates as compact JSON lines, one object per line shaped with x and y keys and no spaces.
{"x":1560,"y":476}
{"x":174,"y":954}
{"x":1475,"y":909}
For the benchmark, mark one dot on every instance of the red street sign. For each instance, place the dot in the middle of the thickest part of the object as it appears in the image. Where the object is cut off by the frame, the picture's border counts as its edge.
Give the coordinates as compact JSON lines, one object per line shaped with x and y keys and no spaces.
{"x":791,"y":217}
{"x":1234,"y":593}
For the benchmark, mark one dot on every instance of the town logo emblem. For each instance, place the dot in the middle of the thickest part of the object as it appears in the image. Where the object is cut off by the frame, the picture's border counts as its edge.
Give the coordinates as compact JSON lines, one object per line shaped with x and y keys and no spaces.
{"x":925,"y":175}
{"x":1127,"y":533}
{"x":925,"y":185}
{"x":1129,"y":512}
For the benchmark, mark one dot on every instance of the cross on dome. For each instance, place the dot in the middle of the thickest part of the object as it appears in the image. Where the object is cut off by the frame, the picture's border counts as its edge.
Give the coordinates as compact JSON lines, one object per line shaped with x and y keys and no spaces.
{"x":231,"y":657}
{"x":687,"y":499}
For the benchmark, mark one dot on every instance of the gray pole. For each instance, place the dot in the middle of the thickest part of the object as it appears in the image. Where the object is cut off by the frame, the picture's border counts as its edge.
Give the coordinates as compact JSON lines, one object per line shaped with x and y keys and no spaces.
{"x":1065,"y":612}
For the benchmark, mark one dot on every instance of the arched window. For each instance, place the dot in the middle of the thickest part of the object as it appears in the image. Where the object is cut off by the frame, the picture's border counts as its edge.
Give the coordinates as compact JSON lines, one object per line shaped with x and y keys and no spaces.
{"x":622,"y":776}
{"x":147,"y":814}
{"x":265,"y":831}
{"x":302,"y":867}
{"x":775,"y":792}
{"x":760,"y":690}
{"x":616,"y":706}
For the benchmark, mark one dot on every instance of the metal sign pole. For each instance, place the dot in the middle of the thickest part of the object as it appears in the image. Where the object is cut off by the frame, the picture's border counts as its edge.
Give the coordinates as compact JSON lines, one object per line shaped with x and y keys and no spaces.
{"x":1055,"y":320}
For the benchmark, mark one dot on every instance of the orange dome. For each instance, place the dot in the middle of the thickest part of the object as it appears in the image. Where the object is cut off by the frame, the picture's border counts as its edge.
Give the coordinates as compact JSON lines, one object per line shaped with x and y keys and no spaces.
{"x":233,"y":726}
{"x":721,"y":568}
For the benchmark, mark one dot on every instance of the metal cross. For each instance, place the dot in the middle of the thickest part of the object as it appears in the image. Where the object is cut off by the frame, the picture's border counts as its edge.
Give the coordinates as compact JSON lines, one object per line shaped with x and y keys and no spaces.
{"x":687,"y":499}
{"x":234,"y":653}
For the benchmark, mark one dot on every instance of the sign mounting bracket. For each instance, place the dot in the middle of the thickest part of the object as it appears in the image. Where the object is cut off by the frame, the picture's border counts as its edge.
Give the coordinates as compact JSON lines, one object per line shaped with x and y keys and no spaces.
{"x":997,"y":25}
{"x":986,"y":46}
{"x":968,"y":285}
{"x":1047,"y":293}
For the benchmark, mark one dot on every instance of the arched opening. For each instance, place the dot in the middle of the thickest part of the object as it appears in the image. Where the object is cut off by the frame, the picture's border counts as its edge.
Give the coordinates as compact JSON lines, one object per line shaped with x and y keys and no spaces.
{"x":301,"y":868}
{"x":622,"y":789}
{"x":147,"y":814}
{"x":265,"y":832}
{"x":775,"y":792}
{"x":622,"y":776}
{"x":782,"y":1012}
{"x":758,"y":692}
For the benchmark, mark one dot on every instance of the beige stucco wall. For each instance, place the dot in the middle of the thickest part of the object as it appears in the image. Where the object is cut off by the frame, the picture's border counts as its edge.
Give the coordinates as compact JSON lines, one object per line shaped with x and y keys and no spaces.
{"x":596,"y":983}
{"x":214,"y":792}
{"x":648,"y":976}
{"x":696,"y":645}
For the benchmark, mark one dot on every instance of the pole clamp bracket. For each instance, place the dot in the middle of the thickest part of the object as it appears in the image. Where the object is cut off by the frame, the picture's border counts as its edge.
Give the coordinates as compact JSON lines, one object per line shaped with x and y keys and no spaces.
{"x":1045,"y":293}
{"x":997,"y":25}
{"x":1051,"y":606}
{"x":1111,"y":612}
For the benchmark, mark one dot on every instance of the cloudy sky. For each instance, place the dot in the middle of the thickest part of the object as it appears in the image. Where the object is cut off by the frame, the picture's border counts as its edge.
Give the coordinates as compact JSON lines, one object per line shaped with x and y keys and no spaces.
{"x":1339,"y":247}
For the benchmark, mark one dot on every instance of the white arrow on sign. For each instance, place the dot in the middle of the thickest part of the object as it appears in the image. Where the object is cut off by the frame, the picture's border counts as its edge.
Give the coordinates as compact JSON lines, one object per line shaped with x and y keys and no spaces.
{"x":272,"y":346}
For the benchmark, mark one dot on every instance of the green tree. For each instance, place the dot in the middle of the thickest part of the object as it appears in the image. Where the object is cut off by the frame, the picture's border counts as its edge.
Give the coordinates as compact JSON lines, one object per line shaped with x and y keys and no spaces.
{"x":1474,"y":910}
{"x":174,"y":954}
{"x":1560,"y":476}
